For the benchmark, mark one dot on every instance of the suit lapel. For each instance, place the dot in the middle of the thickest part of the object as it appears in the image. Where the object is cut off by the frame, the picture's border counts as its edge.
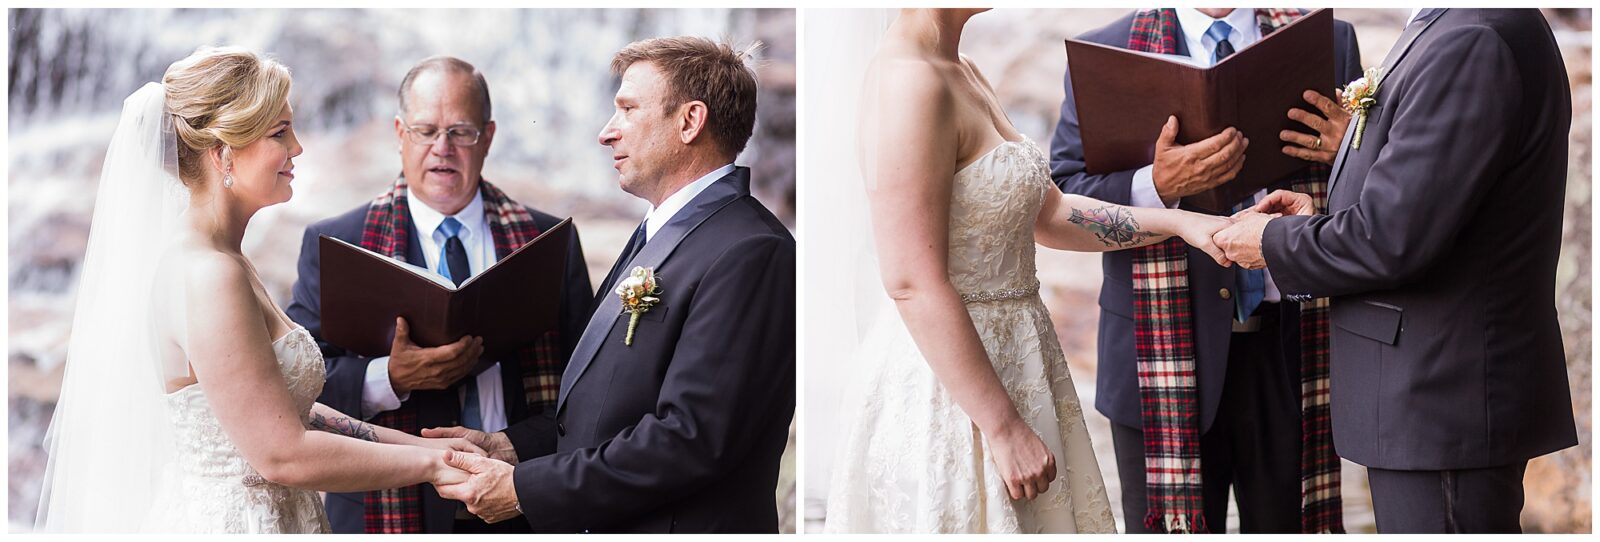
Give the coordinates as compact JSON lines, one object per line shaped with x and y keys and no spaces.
{"x":414,"y":248}
{"x":1396,"y":54}
{"x":726,"y":190}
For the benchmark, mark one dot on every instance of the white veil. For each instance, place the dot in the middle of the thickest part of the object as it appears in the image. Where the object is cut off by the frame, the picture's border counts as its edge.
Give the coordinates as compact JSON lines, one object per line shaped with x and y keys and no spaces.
{"x":844,"y":294}
{"x":110,"y":439}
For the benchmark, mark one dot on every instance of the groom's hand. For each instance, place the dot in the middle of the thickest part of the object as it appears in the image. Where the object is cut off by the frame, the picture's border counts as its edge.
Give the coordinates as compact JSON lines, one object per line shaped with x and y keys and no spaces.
{"x":489,"y":492}
{"x":497,"y":445}
{"x":1286,"y":202}
{"x":413,"y":367}
{"x":1242,"y":240}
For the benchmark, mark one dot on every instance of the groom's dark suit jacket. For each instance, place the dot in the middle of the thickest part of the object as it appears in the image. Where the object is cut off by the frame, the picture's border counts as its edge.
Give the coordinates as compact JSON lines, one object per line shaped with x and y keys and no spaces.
{"x":683,"y":430}
{"x":437,"y":408}
{"x":1116,"y":381}
{"x":1440,"y":251}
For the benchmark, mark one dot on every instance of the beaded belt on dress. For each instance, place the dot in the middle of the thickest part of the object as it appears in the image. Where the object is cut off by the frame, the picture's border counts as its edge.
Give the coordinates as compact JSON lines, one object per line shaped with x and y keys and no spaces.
{"x":1002,"y":294}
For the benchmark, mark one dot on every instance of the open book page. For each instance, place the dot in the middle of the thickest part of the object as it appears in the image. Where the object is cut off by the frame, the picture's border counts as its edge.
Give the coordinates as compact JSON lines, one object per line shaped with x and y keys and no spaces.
{"x":424,"y":272}
{"x":1181,"y":59}
{"x":414,"y":269}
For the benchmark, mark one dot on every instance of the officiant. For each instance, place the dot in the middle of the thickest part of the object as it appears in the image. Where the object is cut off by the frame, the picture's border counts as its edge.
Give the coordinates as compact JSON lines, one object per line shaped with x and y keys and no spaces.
{"x":439,"y":214}
{"x":1235,"y":417}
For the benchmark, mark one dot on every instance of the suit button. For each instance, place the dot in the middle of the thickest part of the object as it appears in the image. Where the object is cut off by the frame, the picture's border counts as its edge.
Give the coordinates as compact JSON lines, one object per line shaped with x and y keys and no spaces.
{"x":1225,"y":294}
{"x":561,"y":430}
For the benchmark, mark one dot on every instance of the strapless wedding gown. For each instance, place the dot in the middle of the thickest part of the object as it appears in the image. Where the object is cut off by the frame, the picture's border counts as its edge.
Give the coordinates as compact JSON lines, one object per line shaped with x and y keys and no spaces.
{"x":912,"y":461}
{"x":210,"y":488}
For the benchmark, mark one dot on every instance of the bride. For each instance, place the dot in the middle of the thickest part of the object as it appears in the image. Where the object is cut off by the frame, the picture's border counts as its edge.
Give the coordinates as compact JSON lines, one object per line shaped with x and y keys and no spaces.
{"x":188,"y":403}
{"x":969,"y":421}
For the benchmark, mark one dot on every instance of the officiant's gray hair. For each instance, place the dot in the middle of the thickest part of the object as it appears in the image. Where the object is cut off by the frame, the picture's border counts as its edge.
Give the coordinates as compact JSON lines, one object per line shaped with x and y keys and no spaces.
{"x":712,"y":72}
{"x":447,"y":64}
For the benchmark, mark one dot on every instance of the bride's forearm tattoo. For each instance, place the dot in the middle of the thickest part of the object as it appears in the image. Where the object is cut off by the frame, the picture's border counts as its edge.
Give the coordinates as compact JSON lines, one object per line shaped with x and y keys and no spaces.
{"x":1112,"y":225}
{"x":343,"y":426}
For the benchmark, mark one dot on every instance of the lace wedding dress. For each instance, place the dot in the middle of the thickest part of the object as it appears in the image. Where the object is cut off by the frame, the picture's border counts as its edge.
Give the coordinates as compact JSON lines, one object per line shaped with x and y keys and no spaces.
{"x":211,"y":488}
{"x":912,"y":460}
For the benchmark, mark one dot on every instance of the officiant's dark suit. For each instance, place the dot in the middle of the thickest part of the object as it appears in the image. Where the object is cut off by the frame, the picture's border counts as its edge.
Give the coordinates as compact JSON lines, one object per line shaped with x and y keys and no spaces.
{"x":1248,"y":381}
{"x":1440,"y":254}
{"x":528,"y":379}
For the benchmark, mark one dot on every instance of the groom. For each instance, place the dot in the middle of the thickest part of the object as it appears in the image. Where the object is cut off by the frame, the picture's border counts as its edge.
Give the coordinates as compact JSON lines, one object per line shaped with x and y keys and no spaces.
{"x":681,"y":429}
{"x":1439,"y":251}
{"x":443,"y":132}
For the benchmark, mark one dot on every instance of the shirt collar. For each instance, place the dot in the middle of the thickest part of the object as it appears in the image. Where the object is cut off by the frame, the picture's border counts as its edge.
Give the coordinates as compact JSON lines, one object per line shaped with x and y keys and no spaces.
{"x":427,"y":219}
{"x":1194,"y":25}
{"x":659,"y":215}
{"x":1414,"y":13}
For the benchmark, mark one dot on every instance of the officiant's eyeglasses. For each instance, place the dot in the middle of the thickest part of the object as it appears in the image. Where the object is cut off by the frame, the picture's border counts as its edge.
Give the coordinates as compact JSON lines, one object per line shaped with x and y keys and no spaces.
{"x":459,"y":135}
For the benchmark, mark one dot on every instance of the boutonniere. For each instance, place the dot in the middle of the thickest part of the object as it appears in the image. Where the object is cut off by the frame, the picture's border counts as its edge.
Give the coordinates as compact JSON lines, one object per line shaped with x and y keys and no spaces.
{"x":1358,"y":96}
{"x":639,"y":292}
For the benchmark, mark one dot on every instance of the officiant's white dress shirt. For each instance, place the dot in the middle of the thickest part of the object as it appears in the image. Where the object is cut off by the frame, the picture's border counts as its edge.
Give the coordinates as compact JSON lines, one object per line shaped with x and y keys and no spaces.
{"x":378,"y":395}
{"x":1201,"y":48}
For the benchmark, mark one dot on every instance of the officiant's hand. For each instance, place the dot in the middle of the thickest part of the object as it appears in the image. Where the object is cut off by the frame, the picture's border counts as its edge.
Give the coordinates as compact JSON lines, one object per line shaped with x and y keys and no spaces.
{"x":1185,"y":170}
{"x":1322,"y":145}
{"x":413,"y":367}
{"x":489,"y":492}
{"x":496,"y":445}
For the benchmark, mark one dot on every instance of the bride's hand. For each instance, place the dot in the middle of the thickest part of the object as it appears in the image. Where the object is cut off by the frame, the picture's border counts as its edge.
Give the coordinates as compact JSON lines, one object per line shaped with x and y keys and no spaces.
{"x":451,"y":443}
{"x":1023,"y":461}
{"x":495,"y":445}
{"x":442,"y":473}
{"x":1197,"y":229}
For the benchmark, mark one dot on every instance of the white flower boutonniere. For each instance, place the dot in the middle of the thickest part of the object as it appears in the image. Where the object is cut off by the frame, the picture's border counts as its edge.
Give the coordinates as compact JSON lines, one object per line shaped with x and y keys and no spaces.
{"x":639,"y":292}
{"x":1358,"y":96}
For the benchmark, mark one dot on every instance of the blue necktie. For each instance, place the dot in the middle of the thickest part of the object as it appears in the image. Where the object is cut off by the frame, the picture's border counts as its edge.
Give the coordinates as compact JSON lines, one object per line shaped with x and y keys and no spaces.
{"x":1250,"y":283}
{"x":453,"y":265}
{"x":1219,"y":33}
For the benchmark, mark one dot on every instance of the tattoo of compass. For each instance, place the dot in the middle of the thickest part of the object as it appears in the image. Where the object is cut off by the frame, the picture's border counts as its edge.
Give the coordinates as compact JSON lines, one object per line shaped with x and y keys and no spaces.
{"x":1113,"y":226}
{"x":343,"y":426}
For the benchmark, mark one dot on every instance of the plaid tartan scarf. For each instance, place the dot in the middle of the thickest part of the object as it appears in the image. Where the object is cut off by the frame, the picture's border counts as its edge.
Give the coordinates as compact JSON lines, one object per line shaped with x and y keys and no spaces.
{"x":385,"y":232}
{"x":1164,"y":351}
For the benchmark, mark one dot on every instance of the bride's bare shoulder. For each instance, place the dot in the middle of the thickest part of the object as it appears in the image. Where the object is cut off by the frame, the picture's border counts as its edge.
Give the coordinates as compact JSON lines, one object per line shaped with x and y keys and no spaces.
{"x":204,"y":269}
{"x":909,"y":78}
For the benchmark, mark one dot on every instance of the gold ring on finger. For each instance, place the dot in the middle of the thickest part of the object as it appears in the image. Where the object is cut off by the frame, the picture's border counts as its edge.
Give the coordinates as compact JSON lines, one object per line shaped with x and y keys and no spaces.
{"x":1318,"y":144}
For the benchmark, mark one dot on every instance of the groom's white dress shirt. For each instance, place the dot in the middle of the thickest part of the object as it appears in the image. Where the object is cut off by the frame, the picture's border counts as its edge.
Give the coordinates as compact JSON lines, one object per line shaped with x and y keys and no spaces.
{"x":658,"y":216}
{"x":378,"y":395}
{"x":1201,"y":48}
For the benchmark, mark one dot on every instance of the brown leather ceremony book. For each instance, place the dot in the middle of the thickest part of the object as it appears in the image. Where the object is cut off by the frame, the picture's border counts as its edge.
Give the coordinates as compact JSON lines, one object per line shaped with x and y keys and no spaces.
{"x":1124,"y":97}
{"x":510,"y":304}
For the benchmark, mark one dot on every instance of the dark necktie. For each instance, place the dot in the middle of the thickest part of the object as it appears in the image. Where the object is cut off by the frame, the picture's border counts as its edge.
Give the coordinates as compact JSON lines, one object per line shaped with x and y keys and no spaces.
{"x":1219,"y":32}
{"x":621,"y":267}
{"x":453,"y":256}
{"x":453,"y":265}
{"x":634,"y":244}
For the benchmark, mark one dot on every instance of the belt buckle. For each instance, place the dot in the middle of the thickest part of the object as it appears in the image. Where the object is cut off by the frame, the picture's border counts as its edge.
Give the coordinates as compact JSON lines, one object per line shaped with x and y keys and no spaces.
{"x":1249,"y":325}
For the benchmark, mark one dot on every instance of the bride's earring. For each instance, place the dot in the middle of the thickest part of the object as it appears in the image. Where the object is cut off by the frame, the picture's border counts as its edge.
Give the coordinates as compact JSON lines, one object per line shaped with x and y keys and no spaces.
{"x":227,"y":179}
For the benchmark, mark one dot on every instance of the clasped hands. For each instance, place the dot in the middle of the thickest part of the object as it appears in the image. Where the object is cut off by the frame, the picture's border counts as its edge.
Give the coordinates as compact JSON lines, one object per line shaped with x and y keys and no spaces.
{"x":484,"y":484}
{"x":1238,"y":240}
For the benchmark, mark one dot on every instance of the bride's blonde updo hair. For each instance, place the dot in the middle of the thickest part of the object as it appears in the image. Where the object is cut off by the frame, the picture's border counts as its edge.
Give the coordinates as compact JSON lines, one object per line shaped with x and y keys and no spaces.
{"x":222,"y":96}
